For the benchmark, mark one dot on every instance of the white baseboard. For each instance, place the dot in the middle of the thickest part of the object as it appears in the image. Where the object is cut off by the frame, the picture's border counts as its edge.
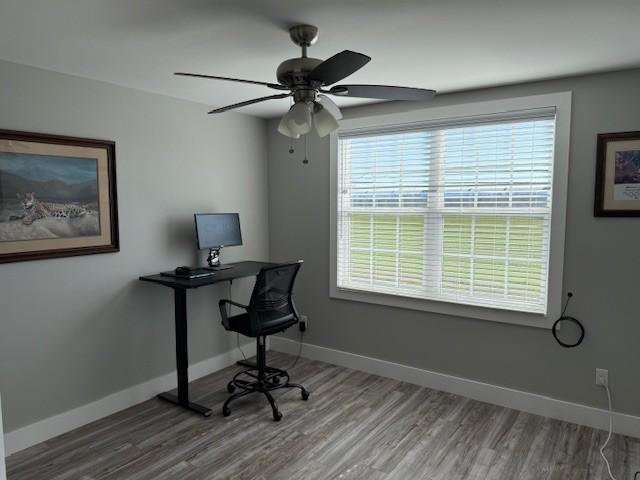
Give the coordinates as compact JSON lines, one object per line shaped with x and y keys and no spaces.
{"x":57,"y":425}
{"x":494,"y":394}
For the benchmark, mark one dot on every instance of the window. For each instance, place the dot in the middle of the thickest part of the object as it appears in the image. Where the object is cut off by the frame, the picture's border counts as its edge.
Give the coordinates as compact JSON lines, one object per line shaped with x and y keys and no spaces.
{"x":458,"y":211}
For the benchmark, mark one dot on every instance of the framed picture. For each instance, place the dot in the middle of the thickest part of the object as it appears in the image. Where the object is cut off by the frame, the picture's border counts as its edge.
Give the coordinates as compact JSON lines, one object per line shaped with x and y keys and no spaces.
{"x":618,"y":175}
{"x":57,"y":196}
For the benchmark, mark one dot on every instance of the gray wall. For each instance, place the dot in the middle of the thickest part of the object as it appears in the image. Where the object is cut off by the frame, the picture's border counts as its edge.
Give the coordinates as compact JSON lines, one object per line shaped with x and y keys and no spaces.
{"x":602,"y":266}
{"x":3,"y":469}
{"x":73,"y":330}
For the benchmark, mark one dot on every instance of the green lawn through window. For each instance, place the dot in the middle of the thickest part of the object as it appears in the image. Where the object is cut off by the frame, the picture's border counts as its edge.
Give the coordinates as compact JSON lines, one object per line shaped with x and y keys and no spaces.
{"x":494,"y":256}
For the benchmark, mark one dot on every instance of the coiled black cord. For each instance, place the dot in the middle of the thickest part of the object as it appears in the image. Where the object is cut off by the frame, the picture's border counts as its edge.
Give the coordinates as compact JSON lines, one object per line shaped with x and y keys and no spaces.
{"x":565,"y":318}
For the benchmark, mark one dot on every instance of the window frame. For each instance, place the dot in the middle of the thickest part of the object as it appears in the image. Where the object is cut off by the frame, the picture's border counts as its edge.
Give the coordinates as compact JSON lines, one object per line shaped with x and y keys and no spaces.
{"x":434,"y":116}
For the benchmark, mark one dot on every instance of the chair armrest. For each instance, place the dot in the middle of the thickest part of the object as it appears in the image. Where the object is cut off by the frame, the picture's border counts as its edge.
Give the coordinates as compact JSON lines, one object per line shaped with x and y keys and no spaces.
{"x":235,"y":304}
{"x":222,"y":305}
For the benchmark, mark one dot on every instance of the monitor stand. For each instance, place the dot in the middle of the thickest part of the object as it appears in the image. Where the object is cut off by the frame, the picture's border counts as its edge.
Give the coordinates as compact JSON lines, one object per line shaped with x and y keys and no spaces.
{"x":213,"y":260}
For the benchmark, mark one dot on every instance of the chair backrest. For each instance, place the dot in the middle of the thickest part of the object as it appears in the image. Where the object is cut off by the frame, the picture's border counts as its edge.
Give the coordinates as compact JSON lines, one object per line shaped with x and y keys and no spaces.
{"x":271,"y":298}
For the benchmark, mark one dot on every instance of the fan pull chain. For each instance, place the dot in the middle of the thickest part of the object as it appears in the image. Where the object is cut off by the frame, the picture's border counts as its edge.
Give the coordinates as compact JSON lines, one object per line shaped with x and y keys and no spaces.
{"x":306,"y":150}
{"x":291,"y":150}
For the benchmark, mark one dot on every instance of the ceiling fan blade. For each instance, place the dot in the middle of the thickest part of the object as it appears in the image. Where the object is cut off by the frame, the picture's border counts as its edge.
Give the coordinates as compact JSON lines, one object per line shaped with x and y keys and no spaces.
{"x":383,"y":92}
{"x":340,"y":66}
{"x":276,"y":86}
{"x":249,"y":102}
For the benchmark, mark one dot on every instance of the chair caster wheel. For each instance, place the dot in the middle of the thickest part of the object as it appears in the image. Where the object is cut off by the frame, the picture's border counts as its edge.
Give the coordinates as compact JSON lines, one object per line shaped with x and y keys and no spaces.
{"x":305,"y":395}
{"x":276,"y":380}
{"x":226,"y":412}
{"x":277,"y":416}
{"x":231,"y":387}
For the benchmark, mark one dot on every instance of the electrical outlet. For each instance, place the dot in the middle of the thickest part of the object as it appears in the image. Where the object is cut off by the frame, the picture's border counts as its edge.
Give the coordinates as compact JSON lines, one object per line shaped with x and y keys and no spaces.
{"x":602,"y":377}
{"x":304,"y":323}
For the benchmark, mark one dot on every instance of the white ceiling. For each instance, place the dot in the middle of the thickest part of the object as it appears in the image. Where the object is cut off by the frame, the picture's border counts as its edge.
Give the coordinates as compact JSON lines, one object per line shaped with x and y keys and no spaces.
{"x":447,"y":45}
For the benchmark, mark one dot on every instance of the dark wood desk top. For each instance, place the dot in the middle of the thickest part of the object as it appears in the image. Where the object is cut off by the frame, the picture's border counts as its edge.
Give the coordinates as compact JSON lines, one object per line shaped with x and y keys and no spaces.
{"x":238,"y":270}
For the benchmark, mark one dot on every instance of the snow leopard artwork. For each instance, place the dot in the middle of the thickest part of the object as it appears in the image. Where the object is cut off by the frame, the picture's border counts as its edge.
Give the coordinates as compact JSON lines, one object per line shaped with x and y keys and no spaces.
{"x":35,"y":209}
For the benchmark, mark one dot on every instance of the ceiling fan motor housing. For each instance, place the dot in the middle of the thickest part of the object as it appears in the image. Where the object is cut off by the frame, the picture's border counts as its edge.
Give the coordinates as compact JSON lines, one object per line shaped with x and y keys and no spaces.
{"x":294,"y":72}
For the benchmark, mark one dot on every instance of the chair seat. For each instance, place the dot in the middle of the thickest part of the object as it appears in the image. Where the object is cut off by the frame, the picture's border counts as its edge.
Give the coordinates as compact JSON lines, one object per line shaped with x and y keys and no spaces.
{"x":271,"y":322}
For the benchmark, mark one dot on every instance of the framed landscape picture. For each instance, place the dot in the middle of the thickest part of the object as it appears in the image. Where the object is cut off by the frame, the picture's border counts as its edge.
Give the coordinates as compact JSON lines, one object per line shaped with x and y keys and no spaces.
{"x":57,"y":196}
{"x":618,"y":175}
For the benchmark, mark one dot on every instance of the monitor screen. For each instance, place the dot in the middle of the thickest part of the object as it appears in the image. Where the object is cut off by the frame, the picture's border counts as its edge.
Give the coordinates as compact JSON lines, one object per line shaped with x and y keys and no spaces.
{"x":218,"y":230}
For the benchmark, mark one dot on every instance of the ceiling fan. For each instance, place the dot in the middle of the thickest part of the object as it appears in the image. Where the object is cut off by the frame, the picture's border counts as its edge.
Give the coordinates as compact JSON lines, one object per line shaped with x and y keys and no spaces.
{"x":309,"y":81}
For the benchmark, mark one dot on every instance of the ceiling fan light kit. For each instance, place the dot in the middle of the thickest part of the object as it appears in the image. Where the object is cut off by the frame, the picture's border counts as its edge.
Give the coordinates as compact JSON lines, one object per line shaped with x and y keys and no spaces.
{"x":297,"y":121}
{"x":324,"y":122}
{"x":330,"y":105}
{"x":306,"y":80}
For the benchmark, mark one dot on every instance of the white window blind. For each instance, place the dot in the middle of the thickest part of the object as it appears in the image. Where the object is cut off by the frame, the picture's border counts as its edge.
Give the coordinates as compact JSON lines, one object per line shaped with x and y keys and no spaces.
{"x":457,"y":212}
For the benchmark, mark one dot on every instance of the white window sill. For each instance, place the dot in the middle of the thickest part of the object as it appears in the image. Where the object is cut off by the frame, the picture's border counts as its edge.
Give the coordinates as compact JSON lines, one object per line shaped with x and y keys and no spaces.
{"x":446,"y":308}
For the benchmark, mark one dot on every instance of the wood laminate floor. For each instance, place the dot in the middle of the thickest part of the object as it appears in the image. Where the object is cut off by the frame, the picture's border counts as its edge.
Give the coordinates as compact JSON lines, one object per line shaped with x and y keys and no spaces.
{"x":354,"y":426}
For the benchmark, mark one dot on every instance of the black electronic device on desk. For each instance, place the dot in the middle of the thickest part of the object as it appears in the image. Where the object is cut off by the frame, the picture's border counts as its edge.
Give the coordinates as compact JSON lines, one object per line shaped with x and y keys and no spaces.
{"x":215,"y":231}
{"x":189,"y":272}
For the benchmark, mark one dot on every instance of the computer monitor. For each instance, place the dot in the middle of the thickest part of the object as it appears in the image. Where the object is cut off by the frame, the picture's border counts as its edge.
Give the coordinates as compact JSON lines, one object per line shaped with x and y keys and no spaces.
{"x":215,"y":231}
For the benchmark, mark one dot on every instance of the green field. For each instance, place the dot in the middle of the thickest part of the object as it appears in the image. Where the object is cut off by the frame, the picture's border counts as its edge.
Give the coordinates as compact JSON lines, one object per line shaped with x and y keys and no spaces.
{"x":496,"y":256}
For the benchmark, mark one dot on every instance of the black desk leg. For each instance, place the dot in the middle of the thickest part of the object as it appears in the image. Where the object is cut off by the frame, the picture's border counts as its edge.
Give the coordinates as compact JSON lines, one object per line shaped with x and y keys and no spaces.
{"x":182,"y":357}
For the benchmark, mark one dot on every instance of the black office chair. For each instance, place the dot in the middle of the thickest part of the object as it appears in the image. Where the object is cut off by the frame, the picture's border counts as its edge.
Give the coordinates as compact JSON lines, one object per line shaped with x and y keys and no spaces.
{"x":270,"y":310}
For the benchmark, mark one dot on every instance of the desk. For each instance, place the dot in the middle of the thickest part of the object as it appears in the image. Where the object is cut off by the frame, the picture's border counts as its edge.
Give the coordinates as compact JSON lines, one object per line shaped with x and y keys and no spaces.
{"x":180,"y":287}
